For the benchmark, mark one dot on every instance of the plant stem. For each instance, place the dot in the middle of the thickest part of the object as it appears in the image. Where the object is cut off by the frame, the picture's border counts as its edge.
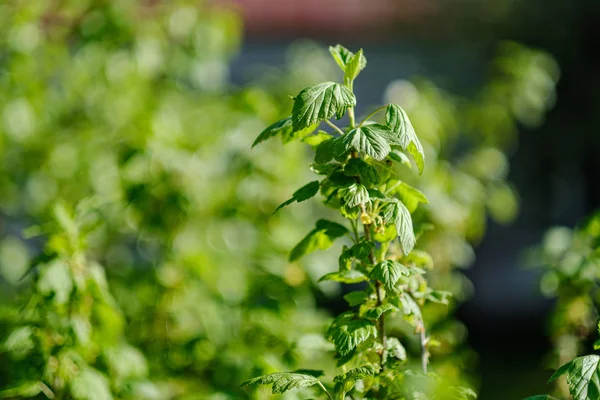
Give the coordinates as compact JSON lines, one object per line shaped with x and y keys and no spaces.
{"x":424,"y":355}
{"x":331,"y":124}
{"x":365,"y":119}
{"x":326,"y":391}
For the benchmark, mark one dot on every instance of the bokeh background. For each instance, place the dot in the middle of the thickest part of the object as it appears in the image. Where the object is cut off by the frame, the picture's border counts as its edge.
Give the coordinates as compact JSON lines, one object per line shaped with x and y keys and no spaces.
{"x":139,"y":257}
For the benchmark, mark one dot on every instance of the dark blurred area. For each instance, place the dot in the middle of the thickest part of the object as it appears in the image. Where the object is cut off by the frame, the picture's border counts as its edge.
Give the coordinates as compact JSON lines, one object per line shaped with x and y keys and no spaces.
{"x":554,"y":166}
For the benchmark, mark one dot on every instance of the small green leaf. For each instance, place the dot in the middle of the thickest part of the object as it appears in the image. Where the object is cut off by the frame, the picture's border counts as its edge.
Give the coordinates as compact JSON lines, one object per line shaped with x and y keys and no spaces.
{"x":348,"y":334}
{"x":396,"y":349}
{"x":304,"y":193}
{"x":320,"y":238}
{"x":399,"y":123}
{"x":283,"y":381}
{"x":284,"y":129}
{"x":355,"y":374}
{"x":90,"y":385}
{"x":319,"y":103}
{"x":358,"y":167}
{"x":355,"y":298}
{"x":355,"y":64}
{"x":462,"y":393}
{"x":341,"y":55}
{"x":438,"y":296}
{"x":369,"y":139}
{"x":350,"y":276}
{"x":395,"y":212}
{"x":389,"y":272}
{"x":361,"y":250}
{"x":376,"y":312}
{"x":325,"y":151}
{"x":354,"y":195}
{"x":55,"y":280}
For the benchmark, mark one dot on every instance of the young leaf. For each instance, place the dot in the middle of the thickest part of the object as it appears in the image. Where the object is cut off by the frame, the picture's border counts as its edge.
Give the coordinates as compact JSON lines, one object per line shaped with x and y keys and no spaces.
{"x":319,"y":103}
{"x":304,"y":193}
{"x":350,"y":276}
{"x":583,"y":377}
{"x":395,"y":212}
{"x":354,"y":195}
{"x":343,"y":56}
{"x":376,"y":312}
{"x":399,"y":123}
{"x":396,"y":349}
{"x":368,"y":139}
{"x":317,"y":139}
{"x":355,"y":374}
{"x":320,"y":238}
{"x":354,"y":65}
{"x":361,"y":250}
{"x":349,"y":334}
{"x":389,"y":272}
{"x":283,"y":381}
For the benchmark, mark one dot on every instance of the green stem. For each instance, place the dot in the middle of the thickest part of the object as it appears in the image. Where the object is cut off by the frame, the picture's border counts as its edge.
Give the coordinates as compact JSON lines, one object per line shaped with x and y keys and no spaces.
{"x":324,"y":389}
{"x":365,"y":119}
{"x":331,"y":124}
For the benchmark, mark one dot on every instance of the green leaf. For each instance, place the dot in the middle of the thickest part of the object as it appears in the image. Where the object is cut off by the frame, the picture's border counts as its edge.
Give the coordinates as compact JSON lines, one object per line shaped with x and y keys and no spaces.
{"x":350,"y":276}
{"x":355,"y":298}
{"x":283,"y":381}
{"x":409,"y":307}
{"x":358,"y":167}
{"x":419,"y":258}
{"x":90,"y":385}
{"x":400,"y":157}
{"x":361,"y":250}
{"x":378,"y":311}
{"x":355,"y":374}
{"x":411,"y":197}
{"x":395,"y":212}
{"x":319,"y":103}
{"x":347,"y":335}
{"x":325,"y":151}
{"x":19,"y":343}
{"x":438,"y":296}
{"x":317,"y":139}
{"x":55,"y":280}
{"x":389,"y":272}
{"x":355,"y":64}
{"x":583,"y":377}
{"x":343,"y":56}
{"x":462,"y":393}
{"x":354,"y":195}
{"x":320,"y":238}
{"x":541,"y":397}
{"x":399,"y":123}
{"x":369,"y":139}
{"x":304,"y":193}
{"x":283,"y":128}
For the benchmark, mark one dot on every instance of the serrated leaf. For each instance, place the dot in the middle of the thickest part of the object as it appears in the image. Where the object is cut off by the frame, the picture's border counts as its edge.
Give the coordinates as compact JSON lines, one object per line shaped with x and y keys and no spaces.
{"x":410,"y":196}
{"x":355,"y":64}
{"x":396,"y":213}
{"x":325,"y":151}
{"x":320,"y":238}
{"x":319,"y":103}
{"x":462,"y":393}
{"x":350,"y":276}
{"x":399,"y":123}
{"x":583,"y":377}
{"x":284,"y":129}
{"x":361,"y":250}
{"x":358,"y":167}
{"x":354,"y":195}
{"x":389,"y":272}
{"x":283,"y":381}
{"x":341,"y":55}
{"x":355,"y":298}
{"x":355,"y":374}
{"x":369,"y":139}
{"x":347,"y":335}
{"x":304,"y":193}
{"x":378,"y":311}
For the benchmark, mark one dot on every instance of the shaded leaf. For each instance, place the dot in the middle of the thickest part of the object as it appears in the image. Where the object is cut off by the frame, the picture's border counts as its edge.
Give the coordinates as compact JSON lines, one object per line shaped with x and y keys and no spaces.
{"x":350,"y":276}
{"x":358,"y":167}
{"x":355,"y":374}
{"x":355,"y":298}
{"x":320,"y":238}
{"x":583,"y":377}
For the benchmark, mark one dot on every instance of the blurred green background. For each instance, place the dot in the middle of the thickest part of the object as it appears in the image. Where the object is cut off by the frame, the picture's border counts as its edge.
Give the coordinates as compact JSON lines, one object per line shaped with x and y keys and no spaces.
{"x":139,"y":257}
